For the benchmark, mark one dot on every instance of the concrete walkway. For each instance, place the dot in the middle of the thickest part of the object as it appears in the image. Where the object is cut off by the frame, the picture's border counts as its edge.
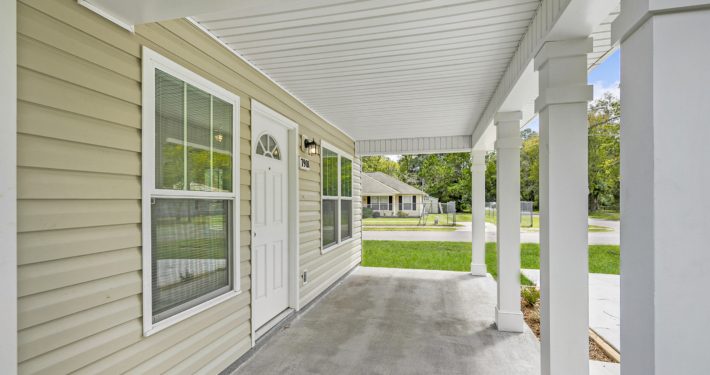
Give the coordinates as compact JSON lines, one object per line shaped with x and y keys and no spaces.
{"x":395,"y":321}
{"x":463,"y":234}
{"x":604,"y":305}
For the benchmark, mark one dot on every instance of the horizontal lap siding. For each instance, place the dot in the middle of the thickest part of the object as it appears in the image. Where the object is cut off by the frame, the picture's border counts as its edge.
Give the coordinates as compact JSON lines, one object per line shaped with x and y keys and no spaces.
{"x":324,"y":269}
{"x":79,"y":211}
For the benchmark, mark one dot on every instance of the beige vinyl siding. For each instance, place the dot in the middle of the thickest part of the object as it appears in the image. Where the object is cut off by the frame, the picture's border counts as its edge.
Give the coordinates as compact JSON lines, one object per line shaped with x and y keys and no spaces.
{"x":324,"y":269}
{"x":79,"y":212}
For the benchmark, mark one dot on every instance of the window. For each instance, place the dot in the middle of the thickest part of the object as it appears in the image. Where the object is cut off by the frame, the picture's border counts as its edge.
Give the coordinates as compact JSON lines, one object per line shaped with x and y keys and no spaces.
{"x":337,"y":205}
{"x":380,"y":203}
{"x":406,"y":203}
{"x":190,"y":185}
{"x":268,"y":147}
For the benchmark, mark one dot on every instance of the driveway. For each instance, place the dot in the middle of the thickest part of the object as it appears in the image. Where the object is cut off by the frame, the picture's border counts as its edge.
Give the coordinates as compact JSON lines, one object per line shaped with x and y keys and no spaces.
{"x":463,"y":234}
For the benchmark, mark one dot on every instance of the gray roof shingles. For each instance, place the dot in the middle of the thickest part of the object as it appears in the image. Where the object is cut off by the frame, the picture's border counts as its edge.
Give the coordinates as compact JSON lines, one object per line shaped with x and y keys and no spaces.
{"x":378,"y":183}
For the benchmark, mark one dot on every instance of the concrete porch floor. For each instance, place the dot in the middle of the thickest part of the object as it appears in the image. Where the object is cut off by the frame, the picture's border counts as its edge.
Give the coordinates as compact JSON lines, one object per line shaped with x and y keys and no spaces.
{"x":397,"y":321}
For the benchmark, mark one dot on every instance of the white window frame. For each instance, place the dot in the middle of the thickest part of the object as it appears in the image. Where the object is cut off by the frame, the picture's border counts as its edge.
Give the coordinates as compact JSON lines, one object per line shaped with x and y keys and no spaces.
{"x":151,"y":62}
{"x":339,"y":198}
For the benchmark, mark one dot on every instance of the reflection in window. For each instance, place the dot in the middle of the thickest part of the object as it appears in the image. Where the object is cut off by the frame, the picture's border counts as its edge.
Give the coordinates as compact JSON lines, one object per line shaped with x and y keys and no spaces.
{"x":267,"y":146}
{"x":337,"y":204}
{"x":193,"y":143}
{"x":190,"y":253}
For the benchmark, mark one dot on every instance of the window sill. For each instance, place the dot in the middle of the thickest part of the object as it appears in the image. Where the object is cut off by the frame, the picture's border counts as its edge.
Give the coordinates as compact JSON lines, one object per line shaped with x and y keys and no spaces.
{"x":150,"y":329}
{"x":336,"y":246}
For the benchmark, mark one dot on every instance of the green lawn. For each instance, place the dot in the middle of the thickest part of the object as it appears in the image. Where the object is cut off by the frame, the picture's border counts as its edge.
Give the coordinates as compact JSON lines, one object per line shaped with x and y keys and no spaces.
{"x":606,"y":215}
{"x":427,"y":255}
{"x":407,"y":229}
{"x":599,"y":228}
{"x":456,"y":256}
{"x":524,"y":221}
{"x":525,"y":224}
{"x":413,"y":221}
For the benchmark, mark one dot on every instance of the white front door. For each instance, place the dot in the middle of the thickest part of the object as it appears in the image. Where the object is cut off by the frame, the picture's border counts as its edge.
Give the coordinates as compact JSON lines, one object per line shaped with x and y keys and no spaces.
{"x":270,"y":247}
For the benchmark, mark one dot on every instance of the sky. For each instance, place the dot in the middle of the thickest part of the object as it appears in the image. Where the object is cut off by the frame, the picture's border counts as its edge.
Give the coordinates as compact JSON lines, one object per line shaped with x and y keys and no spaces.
{"x":605,"y":78}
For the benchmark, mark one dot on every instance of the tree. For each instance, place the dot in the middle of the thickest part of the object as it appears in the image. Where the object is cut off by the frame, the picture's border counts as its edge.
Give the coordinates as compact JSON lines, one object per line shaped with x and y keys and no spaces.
{"x":445,"y":176}
{"x":530,"y":167}
{"x":604,"y":148}
{"x":491,"y":176}
{"x":603,"y":143}
{"x":380,"y":164}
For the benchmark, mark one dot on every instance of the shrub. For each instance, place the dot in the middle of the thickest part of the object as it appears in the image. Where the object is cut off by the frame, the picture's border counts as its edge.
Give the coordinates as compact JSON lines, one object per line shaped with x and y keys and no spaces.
{"x":367,"y":213}
{"x":530,"y":295}
{"x":376,"y":214}
{"x":402,"y":214}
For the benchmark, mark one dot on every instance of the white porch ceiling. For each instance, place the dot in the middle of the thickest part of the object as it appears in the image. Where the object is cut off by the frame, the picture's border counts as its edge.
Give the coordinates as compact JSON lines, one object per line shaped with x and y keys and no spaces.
{"x":405,"y":70}
{"x":381,"y":70}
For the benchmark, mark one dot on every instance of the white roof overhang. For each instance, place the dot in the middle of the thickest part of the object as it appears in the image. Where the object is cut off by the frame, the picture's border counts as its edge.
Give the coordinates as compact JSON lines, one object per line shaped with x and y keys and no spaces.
{"x":401,"y":76}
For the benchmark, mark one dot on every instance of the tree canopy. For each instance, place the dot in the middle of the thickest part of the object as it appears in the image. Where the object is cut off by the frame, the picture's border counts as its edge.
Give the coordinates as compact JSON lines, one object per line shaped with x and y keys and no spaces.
{"x":448,"y":176}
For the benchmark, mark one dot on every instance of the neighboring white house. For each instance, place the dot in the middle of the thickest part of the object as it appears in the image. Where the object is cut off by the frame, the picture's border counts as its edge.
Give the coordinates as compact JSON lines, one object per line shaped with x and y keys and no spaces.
{"x":389,"y":196}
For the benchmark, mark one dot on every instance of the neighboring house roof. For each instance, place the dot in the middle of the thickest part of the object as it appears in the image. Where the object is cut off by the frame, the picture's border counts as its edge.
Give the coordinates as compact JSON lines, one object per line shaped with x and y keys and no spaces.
{"x":378,"y":183}
{"x":370,"y":186}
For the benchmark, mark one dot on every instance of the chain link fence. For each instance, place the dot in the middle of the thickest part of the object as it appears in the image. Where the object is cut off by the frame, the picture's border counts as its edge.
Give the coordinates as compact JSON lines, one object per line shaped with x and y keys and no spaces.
{"x":527,"y":215}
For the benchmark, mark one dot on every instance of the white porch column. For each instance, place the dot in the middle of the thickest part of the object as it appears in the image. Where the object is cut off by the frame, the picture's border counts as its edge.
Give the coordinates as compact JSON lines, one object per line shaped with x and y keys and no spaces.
{"x":562,"y":107}
{"x":478,"y":213}
{"x":665,"y":170}
{"x":508,"y":142}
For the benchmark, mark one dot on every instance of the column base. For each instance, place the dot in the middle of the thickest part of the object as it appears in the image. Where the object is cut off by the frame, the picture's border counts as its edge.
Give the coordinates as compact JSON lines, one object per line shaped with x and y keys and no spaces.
{"x":509,"y":321}
{"x":479,"y":269}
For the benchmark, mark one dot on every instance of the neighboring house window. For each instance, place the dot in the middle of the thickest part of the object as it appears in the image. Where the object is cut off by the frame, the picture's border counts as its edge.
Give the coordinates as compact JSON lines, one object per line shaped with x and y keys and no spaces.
{"x":190,"y":185}
{"x":380,"y":203}
{"x":407,"y":203}
{"x":337,"y":204}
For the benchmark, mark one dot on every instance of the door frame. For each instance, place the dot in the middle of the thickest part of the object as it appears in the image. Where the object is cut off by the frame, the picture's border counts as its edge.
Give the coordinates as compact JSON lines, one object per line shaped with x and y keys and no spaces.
{"x":292,"y":194}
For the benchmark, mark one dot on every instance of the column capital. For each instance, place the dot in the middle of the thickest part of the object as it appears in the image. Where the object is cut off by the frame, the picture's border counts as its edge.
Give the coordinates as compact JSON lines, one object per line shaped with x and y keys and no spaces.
{"x":561,"y":49}
{"x":563,"y":95}
{"x":562,"y":67}
{"x":503,"y":117}
{"x":634,"y":13}
{"x":508,"y":130}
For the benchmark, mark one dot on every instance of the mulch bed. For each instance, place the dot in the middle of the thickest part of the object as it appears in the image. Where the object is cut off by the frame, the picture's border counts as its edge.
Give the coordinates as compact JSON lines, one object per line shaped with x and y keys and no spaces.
{"x":532,"y":318}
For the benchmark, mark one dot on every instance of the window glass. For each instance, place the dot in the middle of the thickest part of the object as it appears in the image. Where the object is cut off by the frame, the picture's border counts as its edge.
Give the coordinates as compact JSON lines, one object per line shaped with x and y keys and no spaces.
{"x":222,"y":144}
{"x":190,"y":253}
{"x":197,"y":109}
{"x":330,"y":173}
{"x":346,"y":175}
{"x":267,"y":146}
{"x":346,"y":219}
{"x":330,"y":222}
{"x":169,"y":132}
{"x":337,"y":205}
{"x":193,"y":138}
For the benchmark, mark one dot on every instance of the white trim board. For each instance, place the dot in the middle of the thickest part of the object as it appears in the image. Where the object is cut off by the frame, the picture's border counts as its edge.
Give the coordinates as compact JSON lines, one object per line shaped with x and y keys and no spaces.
{"x":152,"y":61}
{"x":107,"y":15}
{"x":293,"y":210}
{"x":8,"y":188}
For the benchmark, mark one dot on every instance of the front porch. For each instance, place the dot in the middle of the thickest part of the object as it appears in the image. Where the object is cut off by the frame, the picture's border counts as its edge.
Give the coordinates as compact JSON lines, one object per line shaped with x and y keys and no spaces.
{"x":385,"y":320}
